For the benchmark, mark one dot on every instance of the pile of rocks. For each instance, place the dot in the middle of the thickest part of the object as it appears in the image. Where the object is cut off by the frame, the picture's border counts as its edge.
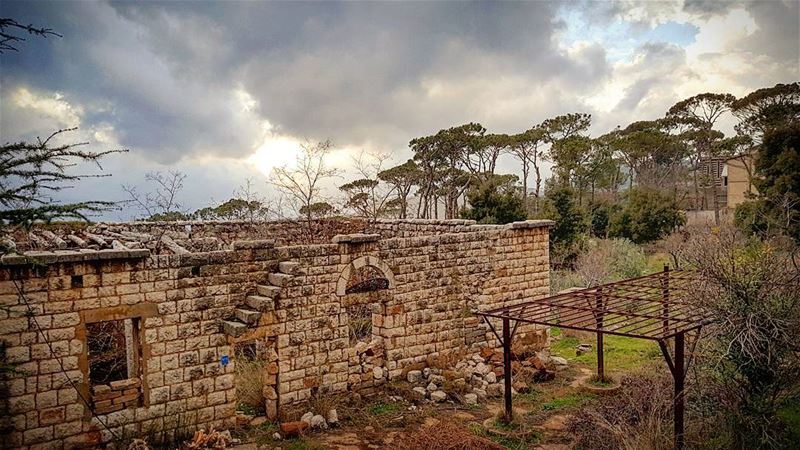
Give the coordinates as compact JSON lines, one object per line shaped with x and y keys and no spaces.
{"x":481,"y":376}
{"x":429,"y":384}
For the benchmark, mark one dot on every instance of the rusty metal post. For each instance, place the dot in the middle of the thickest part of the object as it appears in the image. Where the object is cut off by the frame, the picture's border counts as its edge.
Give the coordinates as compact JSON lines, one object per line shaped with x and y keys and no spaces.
{"x":678,"y":402}
{"x":665,"y":299}
{"x":601,"y":367}
{"x":507,"y":369}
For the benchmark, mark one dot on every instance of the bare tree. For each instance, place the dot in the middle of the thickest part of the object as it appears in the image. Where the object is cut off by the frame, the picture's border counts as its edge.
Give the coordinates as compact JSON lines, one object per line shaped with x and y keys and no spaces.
{"x":367,"y":195}
{"x":301,"y":184}
{"x":161,"y":202}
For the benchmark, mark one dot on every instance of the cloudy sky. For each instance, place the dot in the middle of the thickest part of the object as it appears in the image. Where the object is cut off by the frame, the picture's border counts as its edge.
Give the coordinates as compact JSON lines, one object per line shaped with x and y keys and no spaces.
{"x":225,"y":91}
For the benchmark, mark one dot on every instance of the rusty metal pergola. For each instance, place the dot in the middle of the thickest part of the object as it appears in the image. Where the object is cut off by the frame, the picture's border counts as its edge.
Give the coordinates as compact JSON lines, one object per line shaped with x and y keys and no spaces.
{"x":655,"y":307}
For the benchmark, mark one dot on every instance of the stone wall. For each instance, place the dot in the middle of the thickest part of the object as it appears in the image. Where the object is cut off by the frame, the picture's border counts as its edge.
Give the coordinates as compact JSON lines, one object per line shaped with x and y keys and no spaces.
{"x":438,"y":281}
{"x":177,"y":300}
{"x":186,"y":308}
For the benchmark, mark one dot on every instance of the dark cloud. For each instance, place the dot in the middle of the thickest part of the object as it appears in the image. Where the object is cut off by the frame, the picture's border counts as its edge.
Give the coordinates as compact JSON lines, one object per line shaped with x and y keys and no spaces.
{"x":354,"y":72}
{"x":709,"y":8}
{"x":172,"y":79}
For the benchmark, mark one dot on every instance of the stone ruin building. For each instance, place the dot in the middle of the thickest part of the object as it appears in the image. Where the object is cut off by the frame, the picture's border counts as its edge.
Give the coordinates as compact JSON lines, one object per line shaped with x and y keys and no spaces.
{"x":174,"y":301}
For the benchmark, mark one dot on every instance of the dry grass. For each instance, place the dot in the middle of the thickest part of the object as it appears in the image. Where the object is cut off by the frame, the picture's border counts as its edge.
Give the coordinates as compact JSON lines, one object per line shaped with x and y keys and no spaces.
{"x":250,"y":384}
{"x":638,"y":417}
{"x":446,"y":436}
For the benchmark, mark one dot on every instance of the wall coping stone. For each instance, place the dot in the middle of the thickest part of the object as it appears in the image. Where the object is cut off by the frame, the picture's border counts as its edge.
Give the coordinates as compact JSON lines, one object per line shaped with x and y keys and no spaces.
{"x":253,"y":245}
{"x":531,"y":224}
{"x":427,"y":221}
{"x":58,"y":256}
{"x":355,"y":238}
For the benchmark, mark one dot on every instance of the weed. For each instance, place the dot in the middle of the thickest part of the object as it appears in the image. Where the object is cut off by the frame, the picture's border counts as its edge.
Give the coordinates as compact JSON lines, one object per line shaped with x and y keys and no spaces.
{"x":567,"y":401}
{"x":384,"y":408}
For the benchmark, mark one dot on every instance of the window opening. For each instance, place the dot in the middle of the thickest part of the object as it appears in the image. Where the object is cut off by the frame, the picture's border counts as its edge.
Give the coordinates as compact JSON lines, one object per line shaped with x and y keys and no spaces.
{"x":113,"y":351}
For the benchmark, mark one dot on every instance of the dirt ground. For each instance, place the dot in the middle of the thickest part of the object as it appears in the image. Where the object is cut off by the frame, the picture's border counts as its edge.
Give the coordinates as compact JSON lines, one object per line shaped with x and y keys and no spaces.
{"x":390,"y":420}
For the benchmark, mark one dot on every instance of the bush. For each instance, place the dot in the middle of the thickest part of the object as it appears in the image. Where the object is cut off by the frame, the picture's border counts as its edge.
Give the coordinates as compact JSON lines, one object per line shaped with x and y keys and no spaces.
{"x":638,"y":417}
{"x":607,"y":260}
{"x":648,"y":216}
{"x":752,"y":359}
{"x":570,"y":222}
{"x":601,"y":214}
{"x":777,"y":166}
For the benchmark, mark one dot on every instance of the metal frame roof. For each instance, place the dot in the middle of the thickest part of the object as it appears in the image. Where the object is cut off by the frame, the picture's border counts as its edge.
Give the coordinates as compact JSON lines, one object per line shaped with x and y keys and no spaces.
{"x":654,"y":307}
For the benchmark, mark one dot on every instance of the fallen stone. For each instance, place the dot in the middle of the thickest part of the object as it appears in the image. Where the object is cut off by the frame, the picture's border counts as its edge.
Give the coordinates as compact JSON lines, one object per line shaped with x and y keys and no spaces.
{"x":558,"y":361}
{"x":419,"y":393}
{"x":495,"y":390}
{"x":438,"y":396}
{"x":438,"y":379}
{"x":291,"y":429}
{"x":414,"y":376}
{"x":361,"y":347}
{"x":583,"y":348}
{"x":318,"y":422}
{"x":481,"y":393}
{"x":333,"y":418}
{"x":258,"y":421}
{"x":521,"y":387}
{"x":490,"y":377}
{"x":276,"y":436}
{"x":471,"y":399}
{"x":482,"y":369}
{"x":307,"y":417}
{"x":426,"y":372}
{"x":536,"y":362}
{"x":432,"y":387}
{"x":377,"y":372}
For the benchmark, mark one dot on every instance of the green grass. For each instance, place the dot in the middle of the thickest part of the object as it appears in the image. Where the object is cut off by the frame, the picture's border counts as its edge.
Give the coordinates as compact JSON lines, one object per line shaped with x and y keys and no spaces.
{"x":657,"y":261}
{"x":621,"y":353}
{"x":383,"y":408}
{"x":567,"y":401}
{"x":790,"y":415}
{"x":529,"y":397}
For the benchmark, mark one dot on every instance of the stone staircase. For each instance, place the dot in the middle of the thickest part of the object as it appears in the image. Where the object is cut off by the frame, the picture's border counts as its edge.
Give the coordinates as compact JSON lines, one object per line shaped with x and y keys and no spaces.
{"x":247,"y":315}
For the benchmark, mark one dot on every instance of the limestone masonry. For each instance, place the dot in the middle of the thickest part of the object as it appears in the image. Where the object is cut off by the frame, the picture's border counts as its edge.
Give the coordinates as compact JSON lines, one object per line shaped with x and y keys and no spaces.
{"x":175,"y":299}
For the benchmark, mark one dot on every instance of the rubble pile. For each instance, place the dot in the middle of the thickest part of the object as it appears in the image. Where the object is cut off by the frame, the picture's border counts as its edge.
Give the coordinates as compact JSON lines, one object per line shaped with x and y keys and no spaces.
{"x":480,"y":376}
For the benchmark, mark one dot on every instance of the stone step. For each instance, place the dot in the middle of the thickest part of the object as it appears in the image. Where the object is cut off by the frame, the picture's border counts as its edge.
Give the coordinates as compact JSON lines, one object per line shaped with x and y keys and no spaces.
{"x":260,"y":303}
{"x":289,"y":267}
{"x":233,"y":328}
{"x":247,"y":316}
{"x":268,"y":290}
{"x":279,"y":279}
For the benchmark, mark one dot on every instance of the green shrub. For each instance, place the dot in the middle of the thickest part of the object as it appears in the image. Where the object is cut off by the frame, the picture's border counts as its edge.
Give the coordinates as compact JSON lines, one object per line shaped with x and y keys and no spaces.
{"x":570,"y":223}
{"x":606,"y":260}
{"x":647,"y":216}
